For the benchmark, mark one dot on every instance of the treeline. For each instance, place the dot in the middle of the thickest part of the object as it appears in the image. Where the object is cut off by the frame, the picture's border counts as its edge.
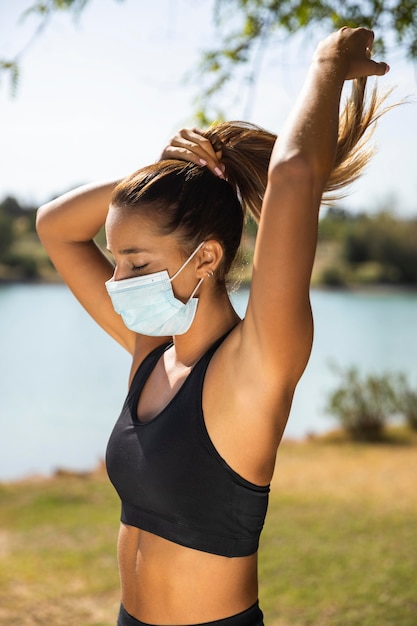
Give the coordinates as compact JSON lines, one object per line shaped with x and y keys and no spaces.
{"x":352,"y":249}
{"x":22,"y":257}
{"x":366,"y":249}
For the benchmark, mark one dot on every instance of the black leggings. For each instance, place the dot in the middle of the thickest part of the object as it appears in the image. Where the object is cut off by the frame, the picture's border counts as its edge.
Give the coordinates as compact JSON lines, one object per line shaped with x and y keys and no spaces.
{"x":251,"y":617}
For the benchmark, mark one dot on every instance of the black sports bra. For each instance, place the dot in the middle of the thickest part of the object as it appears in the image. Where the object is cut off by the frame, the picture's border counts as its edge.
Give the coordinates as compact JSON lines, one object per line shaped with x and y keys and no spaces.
{"x":172,"y":481}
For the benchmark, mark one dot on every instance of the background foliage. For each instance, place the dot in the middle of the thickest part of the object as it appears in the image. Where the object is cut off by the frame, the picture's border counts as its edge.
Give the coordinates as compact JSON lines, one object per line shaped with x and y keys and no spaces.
{"x":366,"y":404}
{"x":352,"y":248}
{"x":246,"y":28}
{"x":367,"y":249}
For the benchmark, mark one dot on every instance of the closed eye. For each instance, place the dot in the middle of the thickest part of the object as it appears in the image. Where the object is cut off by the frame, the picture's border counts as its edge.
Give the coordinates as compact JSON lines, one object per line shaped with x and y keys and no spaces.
{"x":138,"y":268}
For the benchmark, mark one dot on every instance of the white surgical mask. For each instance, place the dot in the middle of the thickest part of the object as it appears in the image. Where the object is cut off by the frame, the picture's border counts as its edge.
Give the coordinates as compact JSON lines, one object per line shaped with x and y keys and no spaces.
{"x":148,"y":305}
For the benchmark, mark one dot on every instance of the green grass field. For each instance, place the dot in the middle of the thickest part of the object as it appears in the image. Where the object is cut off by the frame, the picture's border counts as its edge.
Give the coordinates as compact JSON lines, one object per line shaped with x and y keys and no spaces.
{"x":339,"y":546}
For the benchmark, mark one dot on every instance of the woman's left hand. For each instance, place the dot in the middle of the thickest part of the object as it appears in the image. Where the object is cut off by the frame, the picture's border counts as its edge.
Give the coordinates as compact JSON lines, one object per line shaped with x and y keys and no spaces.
{"x":191,"y":145}
{"x":349,"y":50}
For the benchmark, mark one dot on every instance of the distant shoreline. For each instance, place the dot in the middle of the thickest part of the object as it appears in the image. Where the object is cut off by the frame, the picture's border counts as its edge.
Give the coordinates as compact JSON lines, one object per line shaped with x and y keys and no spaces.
{"x":376,"y":288}
{"x":372,"y":288}
{"x":396,"y":437}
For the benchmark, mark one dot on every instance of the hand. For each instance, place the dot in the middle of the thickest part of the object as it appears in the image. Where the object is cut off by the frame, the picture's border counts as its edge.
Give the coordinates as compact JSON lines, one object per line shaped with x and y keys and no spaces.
{"x":350,"y":49}
{"x":191,"y":145}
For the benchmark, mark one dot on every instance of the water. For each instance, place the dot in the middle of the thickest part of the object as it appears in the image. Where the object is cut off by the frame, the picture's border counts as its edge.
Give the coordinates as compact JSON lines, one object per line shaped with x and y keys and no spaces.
{"x":63,"y":380}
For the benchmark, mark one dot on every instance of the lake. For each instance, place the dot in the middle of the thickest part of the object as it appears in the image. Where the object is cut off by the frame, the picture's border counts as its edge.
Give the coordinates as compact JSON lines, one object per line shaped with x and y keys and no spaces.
{"x":63,"y":380}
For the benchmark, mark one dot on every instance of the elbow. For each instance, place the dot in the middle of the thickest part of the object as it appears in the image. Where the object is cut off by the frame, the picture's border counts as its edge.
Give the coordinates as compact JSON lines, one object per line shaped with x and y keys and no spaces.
{"x":295,"y":168}
{"x":297,"y":173}
{"x":43,"y":219}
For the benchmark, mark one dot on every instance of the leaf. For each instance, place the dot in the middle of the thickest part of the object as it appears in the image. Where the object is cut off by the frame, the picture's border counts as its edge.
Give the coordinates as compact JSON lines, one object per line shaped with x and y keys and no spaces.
{"x":11,"y":68}
{"x":40,"y":9}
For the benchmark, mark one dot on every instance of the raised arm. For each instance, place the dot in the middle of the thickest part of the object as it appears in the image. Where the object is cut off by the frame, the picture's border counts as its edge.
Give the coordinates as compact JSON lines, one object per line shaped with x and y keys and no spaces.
{"x":278,"y":323}
{"x":67,"y":227}
{"x":310,"y":154}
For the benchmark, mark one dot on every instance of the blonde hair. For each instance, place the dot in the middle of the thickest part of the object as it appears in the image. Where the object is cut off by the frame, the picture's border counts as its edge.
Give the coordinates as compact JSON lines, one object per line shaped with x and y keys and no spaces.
{"x":354,"y":149}
{"x":246,"y":149}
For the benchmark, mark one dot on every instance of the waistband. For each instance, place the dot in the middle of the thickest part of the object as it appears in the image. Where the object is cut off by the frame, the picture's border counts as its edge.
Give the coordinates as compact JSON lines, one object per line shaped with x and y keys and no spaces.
{"x":252,"y":616}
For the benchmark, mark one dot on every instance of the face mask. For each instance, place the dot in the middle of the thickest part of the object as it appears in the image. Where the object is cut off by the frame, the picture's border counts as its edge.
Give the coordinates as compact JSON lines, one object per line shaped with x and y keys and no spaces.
{"x":148,"y":305}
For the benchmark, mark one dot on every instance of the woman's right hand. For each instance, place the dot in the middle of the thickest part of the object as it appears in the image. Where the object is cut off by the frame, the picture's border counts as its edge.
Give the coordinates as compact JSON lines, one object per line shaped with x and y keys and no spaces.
{"x":191,"y":145}
{"x":349,"y":51}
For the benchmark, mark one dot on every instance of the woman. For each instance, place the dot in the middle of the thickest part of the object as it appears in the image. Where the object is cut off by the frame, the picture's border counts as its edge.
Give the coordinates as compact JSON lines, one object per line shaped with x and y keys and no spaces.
{"x":193,"y":451}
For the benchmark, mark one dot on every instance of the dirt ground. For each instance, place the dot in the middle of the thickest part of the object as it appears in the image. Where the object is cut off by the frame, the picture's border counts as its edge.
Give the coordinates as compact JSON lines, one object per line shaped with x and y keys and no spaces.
{"x":387,"y":473}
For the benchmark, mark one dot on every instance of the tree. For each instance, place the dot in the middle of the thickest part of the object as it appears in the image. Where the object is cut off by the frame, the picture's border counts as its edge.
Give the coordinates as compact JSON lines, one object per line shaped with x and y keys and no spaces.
{"x":7,"y":233}
{"x":258,"y":23}
{"x":245,"y":28}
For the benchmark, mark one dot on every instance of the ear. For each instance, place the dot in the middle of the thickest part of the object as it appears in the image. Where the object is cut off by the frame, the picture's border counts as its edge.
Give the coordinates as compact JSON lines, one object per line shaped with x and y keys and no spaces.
{"x":208,"y":258}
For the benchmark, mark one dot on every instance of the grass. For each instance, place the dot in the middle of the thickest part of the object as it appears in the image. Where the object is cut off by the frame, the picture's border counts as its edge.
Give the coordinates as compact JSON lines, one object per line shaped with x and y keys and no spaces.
{"x":57,"y":543}
{"x":340,"y":543}
{"x":339,"y":546}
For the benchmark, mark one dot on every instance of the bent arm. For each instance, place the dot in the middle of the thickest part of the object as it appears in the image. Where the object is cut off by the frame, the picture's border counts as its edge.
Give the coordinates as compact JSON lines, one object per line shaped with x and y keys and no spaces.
{"x":67,"y":227}
{"x":278,"y":318}
{"x":278,"y":325}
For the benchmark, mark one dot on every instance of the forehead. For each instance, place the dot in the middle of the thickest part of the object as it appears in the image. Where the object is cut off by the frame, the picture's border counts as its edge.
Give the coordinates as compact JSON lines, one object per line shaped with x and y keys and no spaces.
{"x":128,"y":229}
{"x":121,"y":220}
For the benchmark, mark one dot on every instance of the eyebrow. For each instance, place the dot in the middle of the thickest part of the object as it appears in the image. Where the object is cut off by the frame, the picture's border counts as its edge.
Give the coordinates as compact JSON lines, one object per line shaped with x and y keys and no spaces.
{"x":129,"y":250}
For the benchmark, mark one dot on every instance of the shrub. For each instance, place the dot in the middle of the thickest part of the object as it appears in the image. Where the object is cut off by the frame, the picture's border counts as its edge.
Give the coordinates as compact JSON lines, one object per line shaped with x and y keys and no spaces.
{"x":23,"y":267}
{"x":333,"y":277}
{"x":406,"y":401}
{"x":384,"y":240}
{"x":6,"y":234}
{"x":363,"y":405}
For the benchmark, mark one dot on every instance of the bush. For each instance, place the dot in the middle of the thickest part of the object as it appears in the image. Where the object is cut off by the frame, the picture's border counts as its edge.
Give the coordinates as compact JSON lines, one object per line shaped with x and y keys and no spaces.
{"x":6,"y":234}
{"x":384,"y":240}
{"x":363,"y":405}
{"x":21,"y":266}
{"x":406,"y":401}
{"x":333,"y":277}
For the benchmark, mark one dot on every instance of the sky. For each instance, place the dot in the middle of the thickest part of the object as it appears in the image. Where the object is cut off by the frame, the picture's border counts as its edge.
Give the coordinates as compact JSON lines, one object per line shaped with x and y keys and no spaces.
{"x":100,"y":97}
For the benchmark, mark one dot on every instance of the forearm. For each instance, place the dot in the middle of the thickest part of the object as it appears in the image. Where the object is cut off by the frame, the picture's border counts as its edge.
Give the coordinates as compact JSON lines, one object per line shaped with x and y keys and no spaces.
{"x":310,"y":133}
{"x":309,"y":138}
{"x":76,"y":216}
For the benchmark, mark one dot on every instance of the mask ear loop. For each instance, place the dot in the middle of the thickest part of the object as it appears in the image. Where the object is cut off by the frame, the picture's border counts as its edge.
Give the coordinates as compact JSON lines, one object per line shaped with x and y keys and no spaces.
{"x":196,"y":289}
{"x":186,"y":263}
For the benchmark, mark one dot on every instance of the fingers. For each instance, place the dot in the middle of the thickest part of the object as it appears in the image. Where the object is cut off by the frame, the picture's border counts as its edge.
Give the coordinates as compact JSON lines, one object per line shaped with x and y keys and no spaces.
{"x":373,"y":68}
{"x":357,"y":46}
{"x":368,"y":35}
{"x":378,"y":69}
{"x":365,"y":35}
{"x":366,"y":67}
{"x":191,"y":145}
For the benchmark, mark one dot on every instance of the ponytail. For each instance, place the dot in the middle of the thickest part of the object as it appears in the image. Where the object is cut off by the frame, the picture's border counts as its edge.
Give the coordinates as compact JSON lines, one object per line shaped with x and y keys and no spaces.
{"x":246,"y":150}
{"x":353,"y":150}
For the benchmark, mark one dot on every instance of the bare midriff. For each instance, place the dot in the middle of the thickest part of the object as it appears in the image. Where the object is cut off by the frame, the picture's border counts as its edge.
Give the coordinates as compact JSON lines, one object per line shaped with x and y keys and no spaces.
{"x":165,"y":583}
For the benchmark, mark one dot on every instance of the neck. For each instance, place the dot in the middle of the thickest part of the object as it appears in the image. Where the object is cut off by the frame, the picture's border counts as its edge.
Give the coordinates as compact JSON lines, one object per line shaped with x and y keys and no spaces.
{"x":215,"y":316}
